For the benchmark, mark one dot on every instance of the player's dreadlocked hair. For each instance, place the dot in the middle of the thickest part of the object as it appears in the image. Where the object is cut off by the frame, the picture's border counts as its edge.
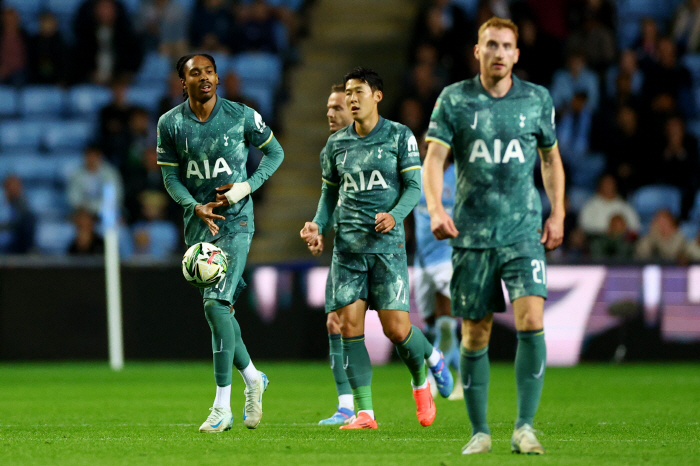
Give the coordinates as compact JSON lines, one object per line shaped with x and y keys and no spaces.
{"x":373,"y":80}
{"x":180,"y":67}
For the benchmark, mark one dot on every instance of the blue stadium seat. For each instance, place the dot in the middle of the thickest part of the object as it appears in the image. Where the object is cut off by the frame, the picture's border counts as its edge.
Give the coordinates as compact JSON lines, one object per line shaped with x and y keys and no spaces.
{"x":21,"y":134}
{"x":28,"y":11}
{"x":155,"y":67}
{"x":578,"y":197}
{"x":54,"y":237}
{"x":42,"y":101}
{"x":164,"y":238}
{"x":65,"y":11}
{"x":5,"y":217}
{"x":9,"y":101}
{"x":258,"y":69}
{"x":147,"y":97}
{"x":694,"y":213}
{"x":586,"y":171}
{"x":47,"y":202}
{"x":65,"y":164}
{"x":648,"y":200}
{"x":69,"y":134}
{"x":628,"y":30}
{"x":263,"y":97}
{"x":188,"y":5}
{"x":88,"y":99}
{"x":690,"y":229}
{"x":30,"y":167}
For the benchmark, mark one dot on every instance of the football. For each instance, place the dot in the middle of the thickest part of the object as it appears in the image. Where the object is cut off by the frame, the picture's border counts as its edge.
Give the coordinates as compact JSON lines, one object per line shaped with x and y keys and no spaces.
{"x":204,"y":264}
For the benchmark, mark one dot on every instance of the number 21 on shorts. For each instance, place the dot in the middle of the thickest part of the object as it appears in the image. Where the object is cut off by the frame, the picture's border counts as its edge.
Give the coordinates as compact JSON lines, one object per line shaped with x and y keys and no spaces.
{"x":539,"y":274}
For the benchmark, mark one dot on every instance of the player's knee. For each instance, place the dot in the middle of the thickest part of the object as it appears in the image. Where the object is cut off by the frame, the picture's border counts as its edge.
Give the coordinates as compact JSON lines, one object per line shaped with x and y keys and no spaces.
{"x":475,"y":338}
{"x":529,"y":321}
{"x":396,"y":332}
{"x":333,"y":324}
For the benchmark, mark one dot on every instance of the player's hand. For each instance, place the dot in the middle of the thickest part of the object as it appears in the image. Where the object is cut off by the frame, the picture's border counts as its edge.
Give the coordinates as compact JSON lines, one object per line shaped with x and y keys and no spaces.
{"x":206,"y":213}
{"x":442,"y":226}
{"x":316,"y":245}
{"x":384,"y":222}
{"x":232,"y":193}
{"x":309,"y":232}
{"x":553,"y":232}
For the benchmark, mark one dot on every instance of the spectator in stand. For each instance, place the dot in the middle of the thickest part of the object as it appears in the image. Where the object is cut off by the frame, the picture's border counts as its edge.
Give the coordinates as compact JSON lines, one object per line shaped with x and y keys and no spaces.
{"x":146,"y":177}
{"x":106,"y":45}
{"x":602,"y":11}
{"x":255,"y":29}
{"x":13,"y":49}
{"x":174,"y":96}
{"x":411,"y":114}
{"x":664,"y":242}
{"x":48,"y":53}
{"x":624,"y":149}
{"x":668,"y":76}
{"x":87,"y":183}
{"x":686,"y":26}
{"x":232,"y":90}
{"x":21,"y":224}
{"x":162,"y":25}
{"x":576,"y":77}
{"x":114,"y":124}
{"x":596,"y":41}
{"x":617,"y":243}
{"x":677,"y":163}
{"x":154,"y":235}
{"x":597,"y":212}
{"x":574,"y":129}
{"x":628,"y":67}
{"x":535,"y":63}
{"x":424,"y":87}
{"x":646,"y":45}
{"x":87,"y":241}
{"x":211,"y":26}
{"x":141,"y":135}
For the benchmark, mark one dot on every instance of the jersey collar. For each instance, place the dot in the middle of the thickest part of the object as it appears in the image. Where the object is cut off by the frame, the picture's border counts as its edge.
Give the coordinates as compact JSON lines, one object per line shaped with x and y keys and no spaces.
{"x":374,"y":131}
{"x":512,"y":91}
{"x":190,"y":113}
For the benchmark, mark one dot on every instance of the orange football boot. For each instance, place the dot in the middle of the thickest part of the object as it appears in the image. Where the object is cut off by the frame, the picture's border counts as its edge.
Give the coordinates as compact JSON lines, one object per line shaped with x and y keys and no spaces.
{"x":425,"y":406}
{"x":363,"y":421}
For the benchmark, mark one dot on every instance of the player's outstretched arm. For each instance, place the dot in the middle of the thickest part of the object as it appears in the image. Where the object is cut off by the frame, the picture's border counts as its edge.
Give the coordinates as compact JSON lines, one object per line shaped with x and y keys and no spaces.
{"x":553,"y":179}
{"x":441,"y":223}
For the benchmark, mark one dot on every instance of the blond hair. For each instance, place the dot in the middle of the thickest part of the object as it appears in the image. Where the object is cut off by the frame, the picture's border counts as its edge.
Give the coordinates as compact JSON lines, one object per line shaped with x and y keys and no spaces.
{"x":499,"y":23}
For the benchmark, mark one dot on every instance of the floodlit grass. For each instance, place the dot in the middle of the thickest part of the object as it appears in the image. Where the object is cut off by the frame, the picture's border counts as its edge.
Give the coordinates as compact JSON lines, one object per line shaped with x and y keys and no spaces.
{"x":149,"y":413}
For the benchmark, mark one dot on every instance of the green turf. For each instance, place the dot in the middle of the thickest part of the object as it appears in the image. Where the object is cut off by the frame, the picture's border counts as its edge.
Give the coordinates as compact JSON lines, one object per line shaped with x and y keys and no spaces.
{"x":148,"y":414}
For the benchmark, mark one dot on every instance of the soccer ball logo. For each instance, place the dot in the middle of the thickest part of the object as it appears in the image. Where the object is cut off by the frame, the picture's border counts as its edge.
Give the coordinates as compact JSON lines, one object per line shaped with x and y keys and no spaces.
{"x":204,"y":264}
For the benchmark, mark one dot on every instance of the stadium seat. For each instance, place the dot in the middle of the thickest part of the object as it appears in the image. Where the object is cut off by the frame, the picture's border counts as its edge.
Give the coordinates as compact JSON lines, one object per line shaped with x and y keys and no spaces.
{"x":42,"y":101}
{"x":48,"y":202}
{"x":5,"y":217}
{"x":694,"y":213}
{"x":259,"y":69}
{"x":155,"y":67}
{"x":263,"y":97}
{"x":88,"y":99}
{"x":30,"y":167}
{"x":21,"y":134}
{"x":578,"y":197}
{"x":28,"y":11}
{"x":54,"y":237}
{"x":586,"y":171}
{"x":65,"y":164}
{"x":8,"y":101}
{"x":164,"y":238}
{"x":690,"y":229}
{"x":147,"y":97}
{"x":648,"y":200}
{"x":64,"y":10}
{"x":627,"y":32}
{"x":68,"y":134}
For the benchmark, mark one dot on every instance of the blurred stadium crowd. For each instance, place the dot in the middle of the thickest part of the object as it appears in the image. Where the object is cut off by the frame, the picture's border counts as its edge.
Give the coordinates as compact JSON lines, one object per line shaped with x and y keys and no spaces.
{"x":624,"y":76}
{"x":82,"y":84}
{"x":625,"y":79}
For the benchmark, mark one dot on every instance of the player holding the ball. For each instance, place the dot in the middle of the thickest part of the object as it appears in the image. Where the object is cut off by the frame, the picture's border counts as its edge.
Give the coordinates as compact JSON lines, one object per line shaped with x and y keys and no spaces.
{"x":202,"y":150}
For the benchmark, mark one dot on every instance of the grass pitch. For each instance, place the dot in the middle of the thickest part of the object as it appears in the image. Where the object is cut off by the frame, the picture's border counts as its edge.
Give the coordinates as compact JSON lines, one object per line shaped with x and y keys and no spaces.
{"x":148,"y":414}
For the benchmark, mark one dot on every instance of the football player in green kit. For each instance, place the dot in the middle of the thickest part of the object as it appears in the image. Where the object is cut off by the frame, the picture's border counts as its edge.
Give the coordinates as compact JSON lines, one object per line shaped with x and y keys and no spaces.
{"x":202,"y":150}
{"x":495,"y":125}
{"x":371,"y":175}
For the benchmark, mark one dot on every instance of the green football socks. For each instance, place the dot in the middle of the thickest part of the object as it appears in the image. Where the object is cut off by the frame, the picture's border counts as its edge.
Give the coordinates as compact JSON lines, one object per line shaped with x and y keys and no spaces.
{"x":474,"y":367}
{"x":241,"y":358}
{"x":413,"y":351}
{"x":358,"y":369}
{"x":223,"y":339}
{"x":530,"y":361}
{"x":342,"y":385}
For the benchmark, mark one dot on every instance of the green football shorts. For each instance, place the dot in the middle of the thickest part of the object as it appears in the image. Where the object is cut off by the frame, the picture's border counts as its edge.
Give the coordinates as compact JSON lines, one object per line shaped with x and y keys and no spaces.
{"x":236,"y":247}
{"x":380,"y":279}
{"x":476,"y":281}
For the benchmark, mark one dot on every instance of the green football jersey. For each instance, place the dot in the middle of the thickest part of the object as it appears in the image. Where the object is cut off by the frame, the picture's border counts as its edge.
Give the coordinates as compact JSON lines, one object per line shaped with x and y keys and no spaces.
{"x":368,"y":173}
{"x":494,"y":142}
{"x":210,"y":154}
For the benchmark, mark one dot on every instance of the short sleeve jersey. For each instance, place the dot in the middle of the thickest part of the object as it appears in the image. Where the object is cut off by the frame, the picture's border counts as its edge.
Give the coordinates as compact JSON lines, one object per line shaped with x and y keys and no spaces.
{"x":367,"y":171}
{"x":494,"y":142}
{"x":210,"y":154}
{"x":429,"y":250}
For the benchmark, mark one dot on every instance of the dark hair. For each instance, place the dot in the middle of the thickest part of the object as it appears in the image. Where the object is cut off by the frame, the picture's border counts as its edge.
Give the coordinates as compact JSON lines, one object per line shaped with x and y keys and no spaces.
{"x":373,"y":80}
{"x":337,"y":88}
{"x":180,"y":67}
